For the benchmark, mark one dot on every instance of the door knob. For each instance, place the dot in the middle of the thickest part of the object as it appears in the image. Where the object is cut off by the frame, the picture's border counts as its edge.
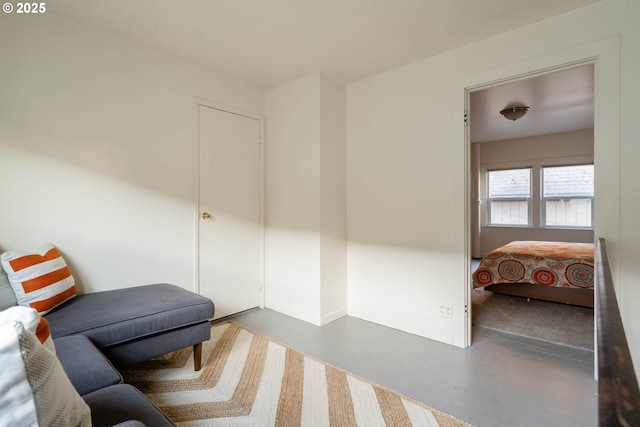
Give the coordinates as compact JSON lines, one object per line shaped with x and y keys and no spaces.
{"x":206,"y":215}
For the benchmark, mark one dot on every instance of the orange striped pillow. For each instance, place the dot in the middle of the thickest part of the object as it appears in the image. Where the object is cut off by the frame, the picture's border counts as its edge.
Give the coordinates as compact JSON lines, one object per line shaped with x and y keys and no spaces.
{"x":44,"y":335}
{"x":41,"y":279}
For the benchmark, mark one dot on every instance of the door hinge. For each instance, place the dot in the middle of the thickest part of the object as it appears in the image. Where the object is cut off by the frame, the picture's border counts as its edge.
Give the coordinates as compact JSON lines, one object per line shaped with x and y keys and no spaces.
{"x":259,"y":140}
{"x":466,"y":310}
{"x":465,"y":118}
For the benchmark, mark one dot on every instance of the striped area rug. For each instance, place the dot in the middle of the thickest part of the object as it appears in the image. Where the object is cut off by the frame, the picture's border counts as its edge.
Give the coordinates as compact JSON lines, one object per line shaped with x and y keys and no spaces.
{"x":249,"y":380}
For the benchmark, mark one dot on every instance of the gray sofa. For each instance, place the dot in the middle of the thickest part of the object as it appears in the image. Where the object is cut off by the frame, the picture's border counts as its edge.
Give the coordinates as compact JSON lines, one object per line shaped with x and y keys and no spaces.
{"x":96,"y":333}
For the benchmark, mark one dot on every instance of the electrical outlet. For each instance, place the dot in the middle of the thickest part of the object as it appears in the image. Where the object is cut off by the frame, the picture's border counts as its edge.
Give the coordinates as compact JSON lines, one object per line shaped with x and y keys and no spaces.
{"x":446,"y":311}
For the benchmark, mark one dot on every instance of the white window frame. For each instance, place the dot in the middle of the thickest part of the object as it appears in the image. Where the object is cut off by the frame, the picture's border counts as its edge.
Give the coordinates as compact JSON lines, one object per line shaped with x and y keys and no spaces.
{"x":543,"y":201}
{"x":509,"y":199}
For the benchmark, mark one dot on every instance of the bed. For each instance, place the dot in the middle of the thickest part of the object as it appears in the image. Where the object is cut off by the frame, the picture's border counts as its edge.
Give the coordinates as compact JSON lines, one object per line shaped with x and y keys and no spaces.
{"x":551,"y":271}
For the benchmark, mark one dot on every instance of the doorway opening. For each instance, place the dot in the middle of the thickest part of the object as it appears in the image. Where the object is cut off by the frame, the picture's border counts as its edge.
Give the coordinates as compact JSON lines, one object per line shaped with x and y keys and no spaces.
{"x":514,"y":168}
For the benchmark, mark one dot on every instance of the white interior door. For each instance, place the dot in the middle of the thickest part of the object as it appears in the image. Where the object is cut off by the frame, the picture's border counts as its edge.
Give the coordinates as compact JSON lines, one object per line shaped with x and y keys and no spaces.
{"x":229,"y":232}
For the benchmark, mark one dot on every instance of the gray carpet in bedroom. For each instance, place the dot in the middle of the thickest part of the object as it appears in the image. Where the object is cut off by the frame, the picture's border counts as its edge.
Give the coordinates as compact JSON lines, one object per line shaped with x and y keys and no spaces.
{"x":559,"y":323}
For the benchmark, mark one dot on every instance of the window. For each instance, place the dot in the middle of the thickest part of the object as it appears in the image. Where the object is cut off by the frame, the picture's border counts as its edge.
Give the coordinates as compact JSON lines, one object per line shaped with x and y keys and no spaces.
{"x":567,"y":196}
{"x":509,"y":194}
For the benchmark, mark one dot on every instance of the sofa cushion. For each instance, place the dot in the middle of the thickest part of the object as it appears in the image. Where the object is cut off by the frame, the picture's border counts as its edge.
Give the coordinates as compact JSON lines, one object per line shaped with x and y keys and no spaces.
{"x":87,"y":368}
{"x":123,"y":402}
{"x":7,"y":296}
{"x":40,"y":279}
{"x":34,"y":385}
{"x":112,"y":317}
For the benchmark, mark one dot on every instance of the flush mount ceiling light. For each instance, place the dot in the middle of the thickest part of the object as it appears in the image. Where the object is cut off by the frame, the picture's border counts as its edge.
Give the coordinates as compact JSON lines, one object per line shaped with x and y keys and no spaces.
{"x":514,"y":113}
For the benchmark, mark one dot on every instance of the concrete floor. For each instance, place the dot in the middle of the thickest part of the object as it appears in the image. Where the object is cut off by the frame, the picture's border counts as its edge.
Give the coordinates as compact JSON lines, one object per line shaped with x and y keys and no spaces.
{"x":501,"y":380}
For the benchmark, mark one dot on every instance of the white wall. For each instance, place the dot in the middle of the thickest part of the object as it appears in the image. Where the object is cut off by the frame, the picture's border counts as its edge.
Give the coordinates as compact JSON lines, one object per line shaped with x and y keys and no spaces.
{"x":292,"y":277}
{"x":405,"y":183}
{"x":406,"y":167}
{"x":559,"y":149}
{"x":629,"y":248}
{"x":96,"y":150}
{"x":306,"y":199}
{"x":333,"y":199}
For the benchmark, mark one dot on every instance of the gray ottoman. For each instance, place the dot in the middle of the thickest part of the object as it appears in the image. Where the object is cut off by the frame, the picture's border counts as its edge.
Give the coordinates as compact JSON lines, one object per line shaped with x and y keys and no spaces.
{"x":135,"y":324}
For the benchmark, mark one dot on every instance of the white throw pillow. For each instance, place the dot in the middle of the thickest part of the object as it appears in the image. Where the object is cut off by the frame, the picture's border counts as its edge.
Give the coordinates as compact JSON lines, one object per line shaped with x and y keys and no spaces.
{"x":32,"y":322}
{"x":34,"y":389}
{"x":40,"y":279}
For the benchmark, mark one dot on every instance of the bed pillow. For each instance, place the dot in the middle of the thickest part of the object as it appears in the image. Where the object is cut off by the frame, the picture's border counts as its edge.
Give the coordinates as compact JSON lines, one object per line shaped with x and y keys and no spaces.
{"x":7,"y":296}
{"x":34,"y":390}
{"x":32,"y":322}
{"x":40,"y":279}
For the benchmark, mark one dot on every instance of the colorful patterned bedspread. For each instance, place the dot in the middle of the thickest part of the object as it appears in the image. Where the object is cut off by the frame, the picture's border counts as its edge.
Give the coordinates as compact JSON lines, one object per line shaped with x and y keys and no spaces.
{"x":560,"y":264}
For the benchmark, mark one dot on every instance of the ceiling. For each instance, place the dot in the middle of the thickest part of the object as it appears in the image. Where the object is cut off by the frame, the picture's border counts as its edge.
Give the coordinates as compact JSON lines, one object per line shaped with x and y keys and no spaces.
{"x":267,"y":43}
{"x":559,"y":102}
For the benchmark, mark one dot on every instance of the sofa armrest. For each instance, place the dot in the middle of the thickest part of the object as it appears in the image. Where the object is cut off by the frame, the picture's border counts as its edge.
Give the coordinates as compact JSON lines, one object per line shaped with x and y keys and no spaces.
{"x":120,"y":403}
{"x":87,"y":368}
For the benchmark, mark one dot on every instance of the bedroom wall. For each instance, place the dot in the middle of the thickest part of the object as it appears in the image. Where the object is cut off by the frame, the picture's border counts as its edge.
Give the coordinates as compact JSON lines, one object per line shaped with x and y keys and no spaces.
{"x":406,"y":167}
{"x":544,"y":150}
{"x":97,"y":150}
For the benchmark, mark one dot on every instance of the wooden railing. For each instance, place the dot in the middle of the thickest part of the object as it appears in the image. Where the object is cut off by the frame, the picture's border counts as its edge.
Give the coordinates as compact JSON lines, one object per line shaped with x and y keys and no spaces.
{"x":618,"y":393}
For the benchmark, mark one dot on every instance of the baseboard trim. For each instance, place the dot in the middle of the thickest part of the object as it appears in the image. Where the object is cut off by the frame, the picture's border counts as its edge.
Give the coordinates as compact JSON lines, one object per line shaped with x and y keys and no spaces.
{"x":402,"y":325}
{"x":293,"y":313}
{"x":335,"y":315}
